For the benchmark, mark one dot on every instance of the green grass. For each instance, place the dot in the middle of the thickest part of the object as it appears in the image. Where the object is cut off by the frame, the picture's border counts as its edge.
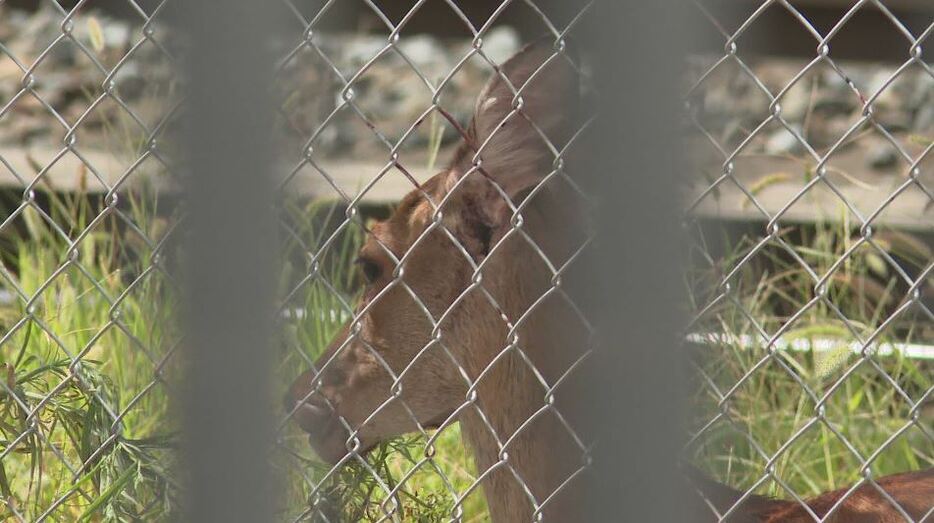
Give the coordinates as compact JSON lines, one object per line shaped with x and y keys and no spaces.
{"x":114,"y":312}
{"x":84,"y":433}
{"x":770,"y":407}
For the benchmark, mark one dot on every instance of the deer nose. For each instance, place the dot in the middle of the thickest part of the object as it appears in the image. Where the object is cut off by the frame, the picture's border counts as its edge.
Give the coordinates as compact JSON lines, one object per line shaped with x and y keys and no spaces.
{"x":313,"y":418}
{"x":312,"y":414}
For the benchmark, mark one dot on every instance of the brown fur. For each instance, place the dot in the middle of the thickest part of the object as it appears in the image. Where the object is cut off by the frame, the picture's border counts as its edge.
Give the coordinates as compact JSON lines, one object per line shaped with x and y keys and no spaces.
{"x":913,"y":491}
{"x":395,"y":353}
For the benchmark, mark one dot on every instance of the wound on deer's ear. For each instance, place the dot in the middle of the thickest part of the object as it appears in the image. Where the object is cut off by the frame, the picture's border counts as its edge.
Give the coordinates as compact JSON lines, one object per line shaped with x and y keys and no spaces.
{"x":476,"y":228}
{"x":480,"y":233}
{"x":484,"y":234}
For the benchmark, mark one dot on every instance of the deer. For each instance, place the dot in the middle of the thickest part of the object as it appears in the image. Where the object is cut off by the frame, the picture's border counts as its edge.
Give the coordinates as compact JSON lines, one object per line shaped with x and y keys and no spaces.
{"x":458,"y":321}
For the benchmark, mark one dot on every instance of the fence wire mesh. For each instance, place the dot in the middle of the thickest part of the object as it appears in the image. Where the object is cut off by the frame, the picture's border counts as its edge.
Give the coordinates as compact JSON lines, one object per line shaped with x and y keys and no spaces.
{"x":87,"y":340}
{"x":819,"y":316}
{"x":428,"y":340}
{"x":378,"y":381}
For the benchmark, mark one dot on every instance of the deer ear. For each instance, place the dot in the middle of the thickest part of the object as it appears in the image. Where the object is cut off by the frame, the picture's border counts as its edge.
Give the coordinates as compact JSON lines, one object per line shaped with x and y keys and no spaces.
{"x":523,"y":116}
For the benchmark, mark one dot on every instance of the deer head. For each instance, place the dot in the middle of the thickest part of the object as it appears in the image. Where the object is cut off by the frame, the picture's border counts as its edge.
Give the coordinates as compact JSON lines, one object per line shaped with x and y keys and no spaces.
{"x":458,"y":321}
{"x":450,"y":278}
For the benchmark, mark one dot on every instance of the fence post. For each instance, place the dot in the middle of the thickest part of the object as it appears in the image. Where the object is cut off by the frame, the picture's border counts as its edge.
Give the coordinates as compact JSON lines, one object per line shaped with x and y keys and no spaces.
{"x":636,"y":402}
{"x":230,"y":273}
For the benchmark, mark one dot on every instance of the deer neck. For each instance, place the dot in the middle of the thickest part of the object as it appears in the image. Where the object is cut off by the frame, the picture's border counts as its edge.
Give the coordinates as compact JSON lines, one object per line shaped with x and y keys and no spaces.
{"x":512,"y":431}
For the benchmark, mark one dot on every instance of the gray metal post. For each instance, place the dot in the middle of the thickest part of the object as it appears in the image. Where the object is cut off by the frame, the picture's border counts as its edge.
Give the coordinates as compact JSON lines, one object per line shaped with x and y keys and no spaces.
{"x":636,"y":402}
{"x":230,"y":269}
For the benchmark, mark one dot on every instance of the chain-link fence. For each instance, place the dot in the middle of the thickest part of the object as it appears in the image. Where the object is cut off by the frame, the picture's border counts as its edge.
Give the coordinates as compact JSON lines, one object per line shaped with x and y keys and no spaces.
{"x":433,"y":171}
{"x":88,"y":343}
{"x":440,"y":330}
{"x":813,"y":317}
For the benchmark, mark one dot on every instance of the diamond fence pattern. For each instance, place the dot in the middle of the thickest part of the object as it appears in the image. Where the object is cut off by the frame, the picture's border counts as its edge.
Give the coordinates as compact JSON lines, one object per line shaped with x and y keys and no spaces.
{"x":86,"y":342}
{"x":772,"y":293}
{"x":393,"y":490}
{"x":87,"y":339}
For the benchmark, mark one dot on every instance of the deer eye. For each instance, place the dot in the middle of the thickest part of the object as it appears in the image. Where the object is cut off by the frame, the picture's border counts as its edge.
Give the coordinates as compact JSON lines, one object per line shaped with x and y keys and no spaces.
{"x":370,"y":269}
